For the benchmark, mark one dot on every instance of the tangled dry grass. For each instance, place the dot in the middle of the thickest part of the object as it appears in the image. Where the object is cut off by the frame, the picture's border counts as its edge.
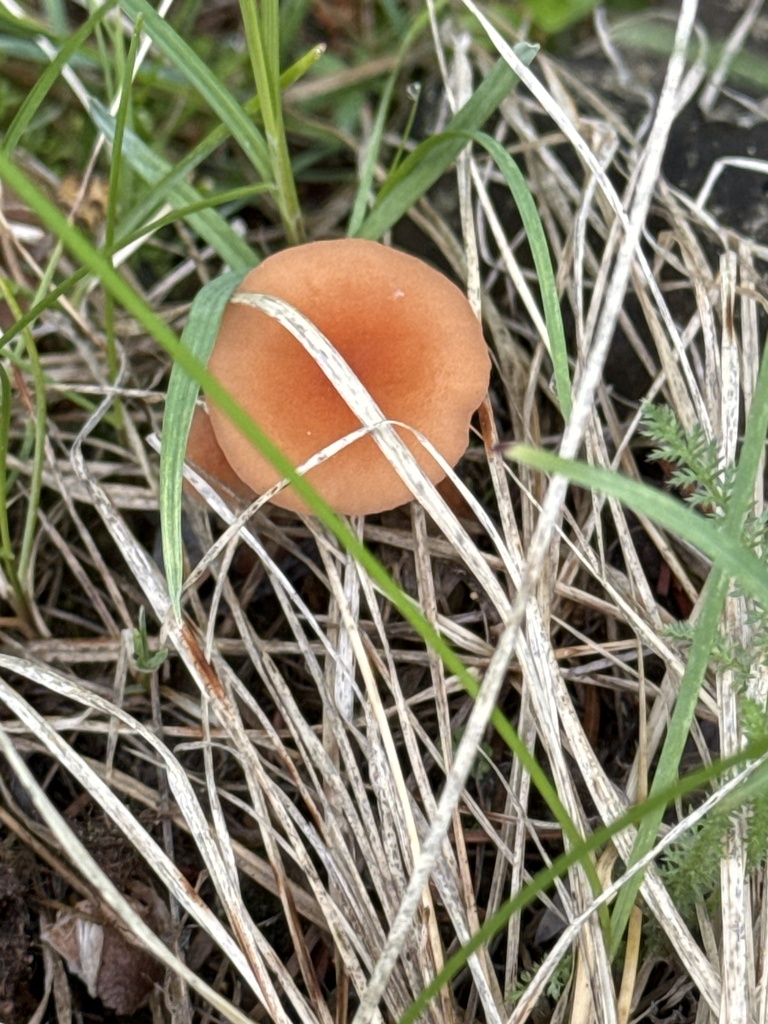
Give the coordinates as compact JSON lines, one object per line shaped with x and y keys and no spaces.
{"x":253,"y":808}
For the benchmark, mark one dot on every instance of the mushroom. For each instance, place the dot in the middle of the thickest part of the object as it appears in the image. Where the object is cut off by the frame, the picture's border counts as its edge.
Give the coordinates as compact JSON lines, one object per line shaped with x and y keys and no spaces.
{"x":405,"y":330}
{"x":204,"y":452}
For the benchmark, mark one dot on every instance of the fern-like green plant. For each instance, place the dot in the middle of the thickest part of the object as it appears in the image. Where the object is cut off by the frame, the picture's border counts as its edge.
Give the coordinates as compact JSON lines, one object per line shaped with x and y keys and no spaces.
{"x":554,"y":987}
{"x":707,"y":483}
{"x":691,"y":866}
{"x":697,"y":469}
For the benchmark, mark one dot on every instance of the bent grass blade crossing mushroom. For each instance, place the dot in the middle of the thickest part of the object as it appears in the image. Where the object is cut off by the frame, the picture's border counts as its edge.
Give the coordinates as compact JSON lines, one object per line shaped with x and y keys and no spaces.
{"x":407,"y":333}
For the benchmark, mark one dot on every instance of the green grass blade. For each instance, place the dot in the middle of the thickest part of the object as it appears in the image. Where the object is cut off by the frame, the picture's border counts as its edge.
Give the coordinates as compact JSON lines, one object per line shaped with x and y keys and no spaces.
{"x":7,"y":554}
{"x":598,"y":839}
{"x":368,"y":169}
{"x":262,"y":33}
{"x":232,"y":197}
{"x":166,"y":186}
{"x":704,"y":639}
{"x":24,"y":23}
{"x":48,"y":77}
{"x":201,"y":78}
{"x":198,"y":338}
{"x":153,"y":168}
{"x":657,"y":37}
{"x":545,"y":274}
{"x":710,"y":538}
{"x":537,"y":241}
{"x":40,"y":430}
{"x":56,"y":16}
{"x":116,"y":178}
{"x":416,"y":174}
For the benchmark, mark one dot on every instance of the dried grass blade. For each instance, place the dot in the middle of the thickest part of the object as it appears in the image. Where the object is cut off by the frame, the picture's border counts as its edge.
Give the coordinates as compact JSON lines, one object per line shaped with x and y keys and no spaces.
{"x":115,"y":809}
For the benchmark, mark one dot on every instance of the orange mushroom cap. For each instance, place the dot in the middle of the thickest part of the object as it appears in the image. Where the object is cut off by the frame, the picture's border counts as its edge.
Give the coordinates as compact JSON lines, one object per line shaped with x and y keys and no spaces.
{"x":205,"y":454}
{"x":406,"y":331}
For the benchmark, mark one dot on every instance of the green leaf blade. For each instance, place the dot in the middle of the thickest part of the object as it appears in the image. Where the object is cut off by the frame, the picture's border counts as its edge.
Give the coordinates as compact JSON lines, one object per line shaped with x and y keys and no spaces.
{"x":198,"y":338}
{"x":201,"y":78}
{"x":416,"y":174}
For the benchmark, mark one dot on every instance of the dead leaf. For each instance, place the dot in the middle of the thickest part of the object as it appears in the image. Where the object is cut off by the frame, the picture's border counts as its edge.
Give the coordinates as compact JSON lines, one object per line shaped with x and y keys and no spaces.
{"x":114,"y":969}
